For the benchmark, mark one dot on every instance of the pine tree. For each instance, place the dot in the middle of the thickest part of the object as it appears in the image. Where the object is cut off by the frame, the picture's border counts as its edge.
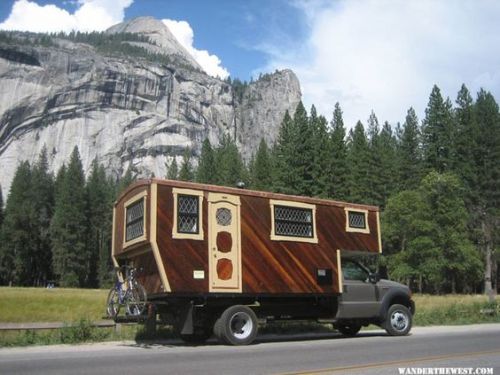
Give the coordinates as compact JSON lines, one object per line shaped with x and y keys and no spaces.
{"x":261,"y":167}
{"x":426,"y":228}
{"x":294,"y":155}
{"x":206,"y":165}
{"x":465,"y":143}
{"x":487,"y":166}
{"x":230,"y":168}
{"x":127,"y":179}
{"x":358,"y":157}
{"x":285,"y":176}
{"x":16,"y":247}
{"x":338,"y":159}
{"x":321,"y":155}
{"x":42,"y":192}
{"x":387,"y":146}
{"x":173,"y":170}
{"x":186,"y":172}
{"x":305,"y":151}
{"x":437,"y":133}
{"x":410,"y":158}
{"x":15,"y":235}
{"x":375,"y":195}
{"x":69,"y":226}
{"x":99,"y":196}
{"x":1,"y":207}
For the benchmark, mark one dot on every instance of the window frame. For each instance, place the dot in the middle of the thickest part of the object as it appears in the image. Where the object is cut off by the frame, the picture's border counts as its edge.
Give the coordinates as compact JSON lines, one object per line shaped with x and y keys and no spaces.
{"x":298,"y":205}
{"x":348,"y":228}
{"x":130,"y":202}
{"x":176,"y":192}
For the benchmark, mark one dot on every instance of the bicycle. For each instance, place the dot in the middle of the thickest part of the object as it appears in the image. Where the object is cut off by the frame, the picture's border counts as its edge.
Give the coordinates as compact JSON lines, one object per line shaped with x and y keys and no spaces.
{"x":127,"y":292}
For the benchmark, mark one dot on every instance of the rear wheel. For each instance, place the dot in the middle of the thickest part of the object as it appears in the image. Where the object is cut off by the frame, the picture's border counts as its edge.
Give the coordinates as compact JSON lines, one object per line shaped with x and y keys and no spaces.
{"x":348,"y":329}
{"x":237,"y":326}
{"x":398,"y":320}
{"x":135,"y":301}
{"x":113,"y":303}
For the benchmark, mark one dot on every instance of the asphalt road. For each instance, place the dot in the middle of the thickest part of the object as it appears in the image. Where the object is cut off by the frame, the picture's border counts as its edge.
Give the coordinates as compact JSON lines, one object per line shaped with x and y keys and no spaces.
{"x":371,"y":352}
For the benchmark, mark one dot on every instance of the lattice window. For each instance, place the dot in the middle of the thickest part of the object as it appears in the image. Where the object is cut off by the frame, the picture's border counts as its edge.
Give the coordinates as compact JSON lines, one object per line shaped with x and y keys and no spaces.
{"x":223,"y":216}
{"x":134,"y":220}
{"x":187,"y":214}
{"x":357,"y":220}
{"x":293,"y":222}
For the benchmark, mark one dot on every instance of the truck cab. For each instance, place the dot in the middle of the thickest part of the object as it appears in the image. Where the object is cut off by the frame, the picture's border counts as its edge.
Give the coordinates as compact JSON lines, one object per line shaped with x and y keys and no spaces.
{"x":368,"y":299}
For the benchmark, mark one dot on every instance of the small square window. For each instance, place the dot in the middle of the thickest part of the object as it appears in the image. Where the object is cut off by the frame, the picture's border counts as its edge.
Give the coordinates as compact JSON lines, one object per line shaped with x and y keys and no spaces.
{"x":357,"y":221}
{"x":293,"y":221}
{"x":187,"y":212}
{"x":134,"y":221}
{"x":187,"y":215}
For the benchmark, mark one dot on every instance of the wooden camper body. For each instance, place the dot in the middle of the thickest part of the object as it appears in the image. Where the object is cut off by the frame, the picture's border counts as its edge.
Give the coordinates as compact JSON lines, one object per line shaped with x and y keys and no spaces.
{"x":241,"y":247}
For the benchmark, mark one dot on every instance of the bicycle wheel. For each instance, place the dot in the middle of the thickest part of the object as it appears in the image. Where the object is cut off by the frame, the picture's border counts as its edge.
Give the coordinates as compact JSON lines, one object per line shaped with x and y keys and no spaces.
{"x":113,"y":303}
{"x":135,"y":300}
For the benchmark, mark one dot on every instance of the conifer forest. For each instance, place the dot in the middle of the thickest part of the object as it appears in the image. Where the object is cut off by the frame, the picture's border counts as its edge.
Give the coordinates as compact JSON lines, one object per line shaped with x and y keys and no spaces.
{"x":435,"y":179}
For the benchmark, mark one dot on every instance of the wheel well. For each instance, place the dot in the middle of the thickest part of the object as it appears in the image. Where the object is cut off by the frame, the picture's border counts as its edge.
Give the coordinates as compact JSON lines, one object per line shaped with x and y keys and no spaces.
{"x":400,"y":300}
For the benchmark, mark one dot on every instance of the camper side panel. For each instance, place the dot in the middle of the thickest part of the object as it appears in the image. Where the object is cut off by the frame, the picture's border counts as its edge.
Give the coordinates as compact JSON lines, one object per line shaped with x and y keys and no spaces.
{"x":185,"y":260}
{"x":282,"y":267}
{"x":332,"y":230}
{"x":120,"y":245}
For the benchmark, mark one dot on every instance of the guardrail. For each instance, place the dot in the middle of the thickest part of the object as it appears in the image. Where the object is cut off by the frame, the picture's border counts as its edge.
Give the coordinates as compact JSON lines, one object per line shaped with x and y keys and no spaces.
{"x":51,"y":325}
{"x":117,"y":325}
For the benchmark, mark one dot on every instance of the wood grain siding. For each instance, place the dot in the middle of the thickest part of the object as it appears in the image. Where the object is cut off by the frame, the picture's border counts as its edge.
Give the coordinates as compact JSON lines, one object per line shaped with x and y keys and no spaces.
{"x":268,"y":266}
{"x":279,"y":266}
{"x":331,"y":222}
{"x":181,"y":257}
{"x":119,"y":223}
{"x":148,"y":274}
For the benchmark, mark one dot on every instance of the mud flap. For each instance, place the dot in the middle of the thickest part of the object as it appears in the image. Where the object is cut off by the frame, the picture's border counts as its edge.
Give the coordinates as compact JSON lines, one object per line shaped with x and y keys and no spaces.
{"x":186,"y":320}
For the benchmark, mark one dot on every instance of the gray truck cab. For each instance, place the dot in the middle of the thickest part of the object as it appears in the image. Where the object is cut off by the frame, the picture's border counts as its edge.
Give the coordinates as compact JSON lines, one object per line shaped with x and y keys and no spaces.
{"x":368,"y":299}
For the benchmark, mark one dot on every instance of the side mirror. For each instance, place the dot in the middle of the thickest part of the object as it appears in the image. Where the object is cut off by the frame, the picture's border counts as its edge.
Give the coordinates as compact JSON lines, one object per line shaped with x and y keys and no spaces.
{"x":374,"y":278}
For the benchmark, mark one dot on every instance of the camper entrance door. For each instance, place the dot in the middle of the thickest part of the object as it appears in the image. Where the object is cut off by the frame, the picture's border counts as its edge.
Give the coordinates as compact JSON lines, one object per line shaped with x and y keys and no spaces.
{"x":224,"y":243}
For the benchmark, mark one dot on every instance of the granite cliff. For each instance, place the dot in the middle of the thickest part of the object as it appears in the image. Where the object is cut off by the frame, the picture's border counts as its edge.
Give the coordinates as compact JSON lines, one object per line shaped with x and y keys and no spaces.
{"x":124,"y":110}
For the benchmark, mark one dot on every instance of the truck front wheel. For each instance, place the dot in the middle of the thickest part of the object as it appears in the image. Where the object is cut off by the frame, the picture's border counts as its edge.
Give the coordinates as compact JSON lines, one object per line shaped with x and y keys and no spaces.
{"x":236,"y":326}
{"x":398,"y":320}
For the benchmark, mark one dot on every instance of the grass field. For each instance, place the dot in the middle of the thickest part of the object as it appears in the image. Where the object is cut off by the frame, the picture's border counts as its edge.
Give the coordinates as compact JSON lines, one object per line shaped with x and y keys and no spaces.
{"x":21,"y":305}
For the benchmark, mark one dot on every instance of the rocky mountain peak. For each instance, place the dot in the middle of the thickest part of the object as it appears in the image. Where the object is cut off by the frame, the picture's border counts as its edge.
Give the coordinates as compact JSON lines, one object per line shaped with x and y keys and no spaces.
{"x":124,"y":107}
{"x":162,"y":39}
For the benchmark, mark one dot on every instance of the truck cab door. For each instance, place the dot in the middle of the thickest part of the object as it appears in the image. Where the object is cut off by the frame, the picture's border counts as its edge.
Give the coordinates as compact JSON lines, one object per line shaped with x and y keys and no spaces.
{"x":359,"y":298}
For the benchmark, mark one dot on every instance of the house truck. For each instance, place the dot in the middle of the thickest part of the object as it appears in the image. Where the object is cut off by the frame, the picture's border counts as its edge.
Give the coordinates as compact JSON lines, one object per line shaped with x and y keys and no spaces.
{"x":219,"y":260}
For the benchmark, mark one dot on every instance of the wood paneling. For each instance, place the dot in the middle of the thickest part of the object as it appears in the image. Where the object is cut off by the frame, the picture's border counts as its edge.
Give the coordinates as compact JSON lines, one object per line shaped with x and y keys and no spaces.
{"x":268,"y":266}
{"x":148,"y":274}
{"x":181,"y":257}
{"x":135,"y":189}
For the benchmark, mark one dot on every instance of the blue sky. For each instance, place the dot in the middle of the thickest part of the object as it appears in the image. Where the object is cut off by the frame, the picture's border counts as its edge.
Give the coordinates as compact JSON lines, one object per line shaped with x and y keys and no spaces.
{"x":380,"y":55}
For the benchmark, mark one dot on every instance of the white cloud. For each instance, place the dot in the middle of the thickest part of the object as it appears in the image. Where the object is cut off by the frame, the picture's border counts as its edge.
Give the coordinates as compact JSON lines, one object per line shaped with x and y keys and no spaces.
{"x":185,"y":35}
{"x":386,"y":55}
{"x":91,"y":15}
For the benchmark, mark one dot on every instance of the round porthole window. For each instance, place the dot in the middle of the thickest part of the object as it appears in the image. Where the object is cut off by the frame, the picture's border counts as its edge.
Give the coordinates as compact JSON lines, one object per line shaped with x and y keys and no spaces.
{"x":223,"y":216}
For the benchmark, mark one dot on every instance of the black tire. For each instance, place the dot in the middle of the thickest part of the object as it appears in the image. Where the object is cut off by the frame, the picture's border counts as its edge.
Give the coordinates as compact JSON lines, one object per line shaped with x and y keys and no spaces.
{"x":237,"y":325}
{"x":113,"y":304}
{"x":348,"y":329}
{"x":398,"y":320}
{"x":135,"y":300}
